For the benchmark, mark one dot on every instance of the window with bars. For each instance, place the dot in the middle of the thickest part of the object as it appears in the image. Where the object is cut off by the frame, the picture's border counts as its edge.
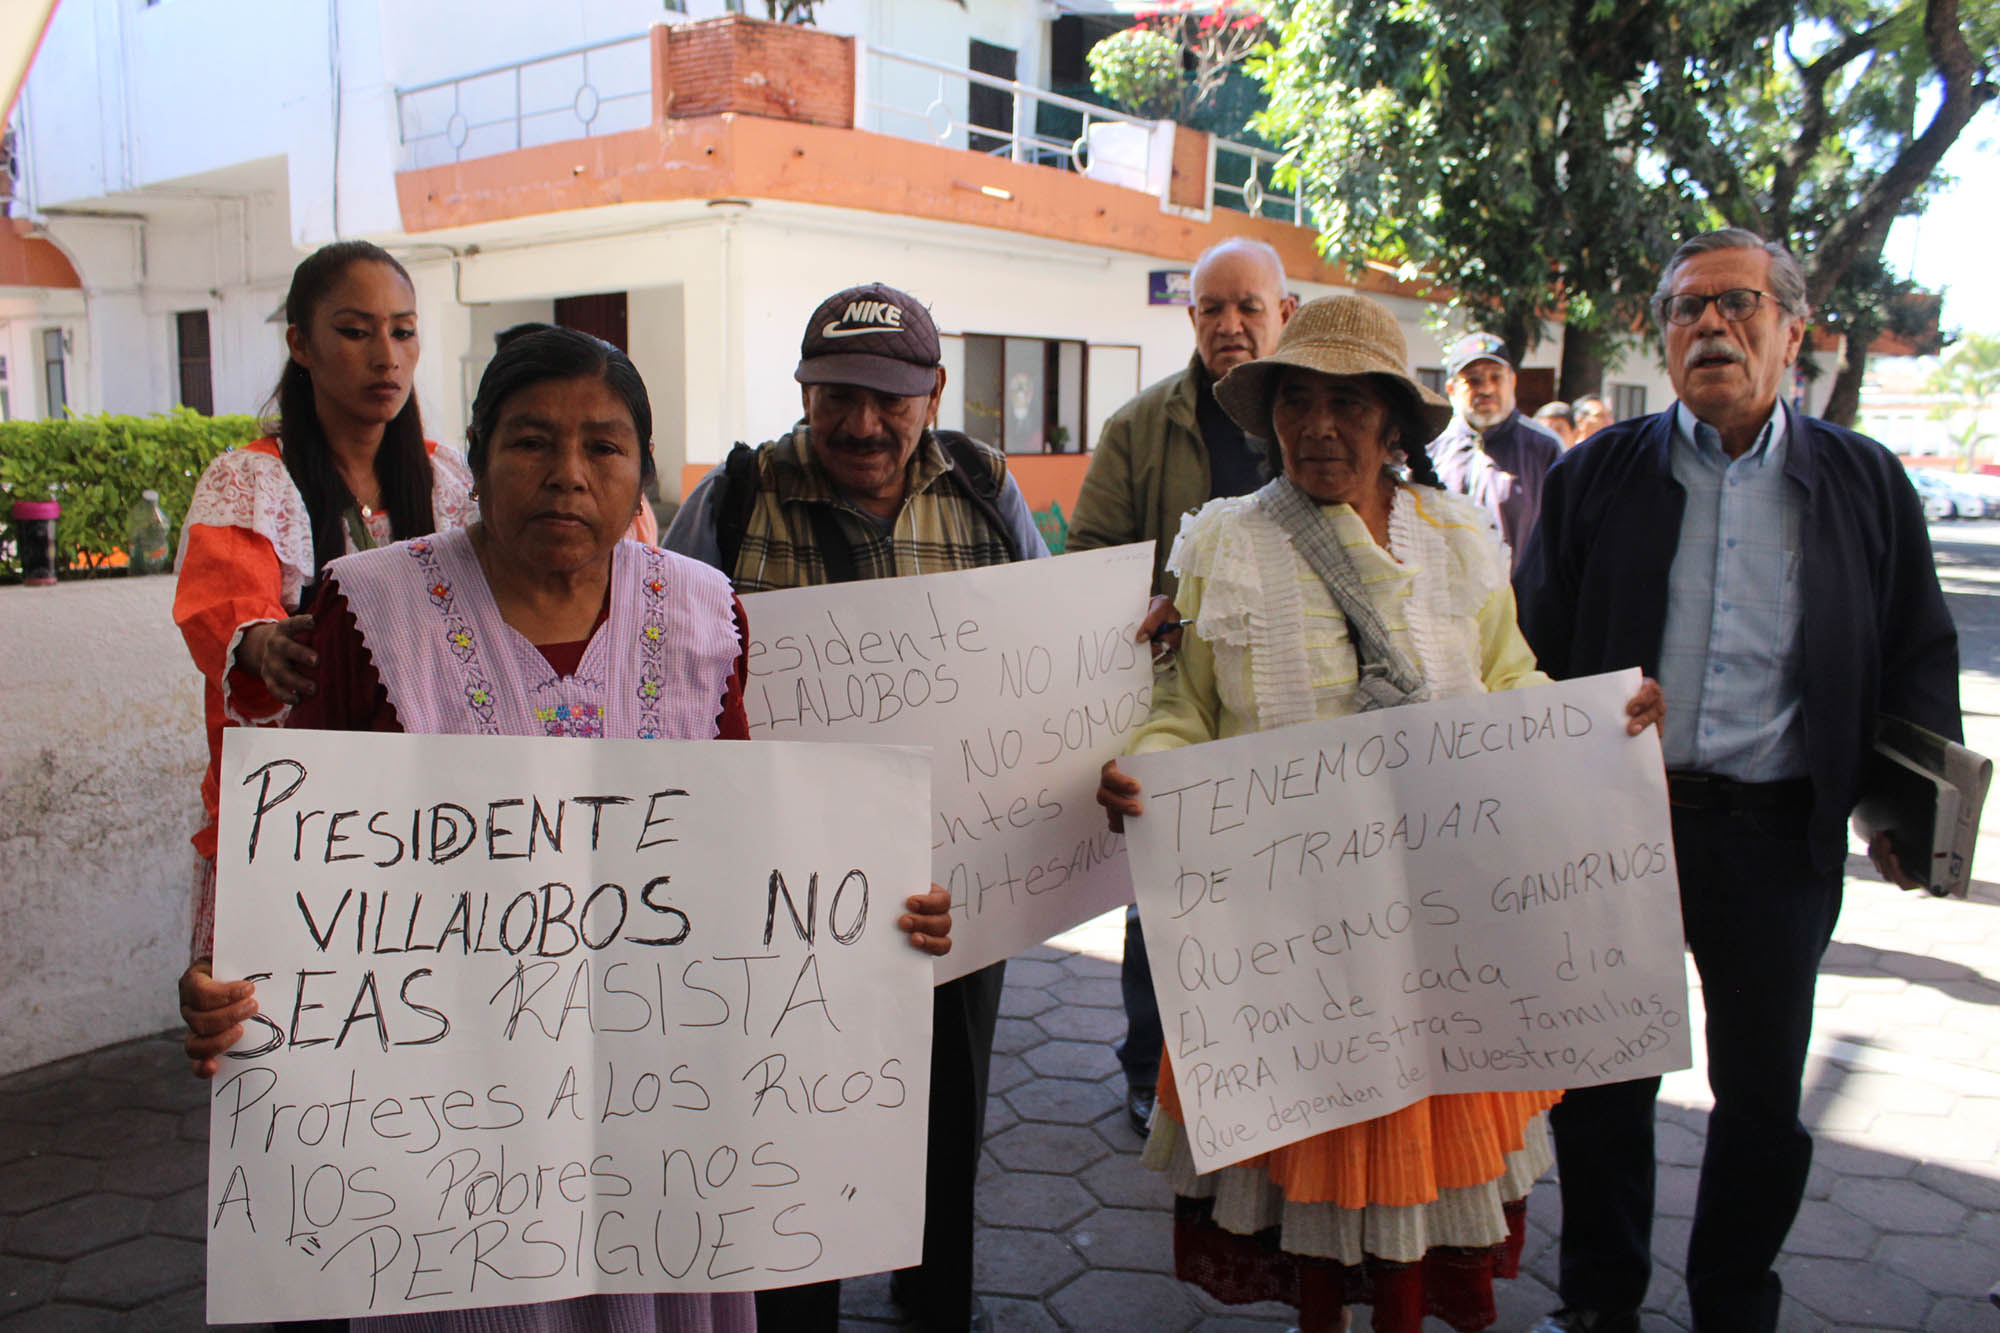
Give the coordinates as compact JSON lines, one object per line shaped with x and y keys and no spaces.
{"x":1628,"y":401}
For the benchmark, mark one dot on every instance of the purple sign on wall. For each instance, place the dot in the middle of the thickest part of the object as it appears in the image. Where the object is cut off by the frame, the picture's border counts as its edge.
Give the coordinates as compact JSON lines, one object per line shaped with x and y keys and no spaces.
{"x":1170,"y":286}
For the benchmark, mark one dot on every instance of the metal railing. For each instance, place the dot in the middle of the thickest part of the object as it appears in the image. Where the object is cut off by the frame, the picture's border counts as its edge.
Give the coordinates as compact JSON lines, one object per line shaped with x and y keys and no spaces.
{"x":604,"y":87}
{"x":917,"y":98}
{"x":598,"y":88}
{"x":1243,"y":180}
{"x":1041,"y":127}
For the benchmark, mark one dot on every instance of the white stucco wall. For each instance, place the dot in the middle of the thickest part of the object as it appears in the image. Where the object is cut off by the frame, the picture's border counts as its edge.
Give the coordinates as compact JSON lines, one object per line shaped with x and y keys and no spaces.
{"x":101,"y":755}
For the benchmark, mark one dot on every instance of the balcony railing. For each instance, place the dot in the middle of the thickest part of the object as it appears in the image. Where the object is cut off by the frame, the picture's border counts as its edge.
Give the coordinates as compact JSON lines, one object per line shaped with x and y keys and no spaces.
{"x":1243,"y":179}
{"x":606,"y":87}
{"x":600,"y":88}
{"x":912,"y":97}
{"x":916,"y":98}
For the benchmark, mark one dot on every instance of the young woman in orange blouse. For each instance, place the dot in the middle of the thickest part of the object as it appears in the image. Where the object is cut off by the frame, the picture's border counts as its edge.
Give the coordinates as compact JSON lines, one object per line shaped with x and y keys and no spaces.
{"x":345,"y":467}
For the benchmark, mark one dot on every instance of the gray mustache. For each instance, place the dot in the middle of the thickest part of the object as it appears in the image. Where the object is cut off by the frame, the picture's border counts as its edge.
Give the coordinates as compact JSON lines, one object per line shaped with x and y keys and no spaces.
{"x":1708,"y":347}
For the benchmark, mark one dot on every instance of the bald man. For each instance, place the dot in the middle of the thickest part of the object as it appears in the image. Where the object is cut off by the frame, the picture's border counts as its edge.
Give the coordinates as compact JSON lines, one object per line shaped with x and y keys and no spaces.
{"x":1173,"y":448}
{"x":1169,"y":450}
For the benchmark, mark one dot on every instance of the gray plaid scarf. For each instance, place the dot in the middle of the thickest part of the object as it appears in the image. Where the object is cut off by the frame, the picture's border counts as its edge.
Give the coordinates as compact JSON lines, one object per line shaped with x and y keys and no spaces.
{"x":1385,"y":677}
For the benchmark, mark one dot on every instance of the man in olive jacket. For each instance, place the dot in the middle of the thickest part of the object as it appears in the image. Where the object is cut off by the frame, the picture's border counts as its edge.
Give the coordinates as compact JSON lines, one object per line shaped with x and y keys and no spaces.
{"x":1172,"y":448}
{"x":1167,"y":451}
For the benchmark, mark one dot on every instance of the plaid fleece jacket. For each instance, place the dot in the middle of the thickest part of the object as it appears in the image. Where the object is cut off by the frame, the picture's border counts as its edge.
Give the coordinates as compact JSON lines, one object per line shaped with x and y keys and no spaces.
{"x":938,"y":529}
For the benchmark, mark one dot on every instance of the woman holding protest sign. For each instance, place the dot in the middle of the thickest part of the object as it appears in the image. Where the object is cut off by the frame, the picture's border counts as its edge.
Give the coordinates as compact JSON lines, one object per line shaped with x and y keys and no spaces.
{"x":345,"y":467}
{"x":1343,"y":586}
{"x":538,"y":620}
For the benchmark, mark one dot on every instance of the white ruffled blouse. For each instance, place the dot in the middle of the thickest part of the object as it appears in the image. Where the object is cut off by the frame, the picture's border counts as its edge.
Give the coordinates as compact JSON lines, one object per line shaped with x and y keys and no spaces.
{"x":1269,"y":647}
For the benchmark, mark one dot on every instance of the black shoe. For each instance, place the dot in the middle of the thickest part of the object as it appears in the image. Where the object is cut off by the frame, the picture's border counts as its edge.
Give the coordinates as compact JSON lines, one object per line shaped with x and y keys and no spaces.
{"x":1139,"y":1109}
{"x":903,"y":1291}
{"x":1571,"y":1319}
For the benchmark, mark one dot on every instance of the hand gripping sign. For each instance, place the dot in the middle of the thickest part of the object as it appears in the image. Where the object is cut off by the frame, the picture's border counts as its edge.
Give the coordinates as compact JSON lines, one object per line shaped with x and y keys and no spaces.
{"x":541,"y":1019}
{"x":1345,"y":917}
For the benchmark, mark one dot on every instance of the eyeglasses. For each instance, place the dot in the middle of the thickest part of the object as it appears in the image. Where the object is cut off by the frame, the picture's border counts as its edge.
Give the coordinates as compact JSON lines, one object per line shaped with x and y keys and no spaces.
{"x":1737,"y":304}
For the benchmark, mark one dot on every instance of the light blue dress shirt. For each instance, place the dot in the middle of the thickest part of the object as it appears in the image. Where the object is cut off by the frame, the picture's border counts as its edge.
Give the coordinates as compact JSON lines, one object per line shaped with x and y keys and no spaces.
{"x":1730,"y":651}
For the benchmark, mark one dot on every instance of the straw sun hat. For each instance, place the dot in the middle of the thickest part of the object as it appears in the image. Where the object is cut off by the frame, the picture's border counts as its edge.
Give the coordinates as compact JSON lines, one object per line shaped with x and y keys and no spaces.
{"x":1335,"y":335}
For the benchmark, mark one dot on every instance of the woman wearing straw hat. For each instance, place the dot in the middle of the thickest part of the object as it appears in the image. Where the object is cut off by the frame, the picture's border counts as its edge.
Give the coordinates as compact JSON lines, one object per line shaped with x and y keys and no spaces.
{"x":1345,"y":585}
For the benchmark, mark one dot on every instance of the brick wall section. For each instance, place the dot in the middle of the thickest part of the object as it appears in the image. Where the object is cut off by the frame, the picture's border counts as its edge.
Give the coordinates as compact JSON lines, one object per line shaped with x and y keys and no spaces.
{"x":753,"y":67}
{"x":1189,"y":186}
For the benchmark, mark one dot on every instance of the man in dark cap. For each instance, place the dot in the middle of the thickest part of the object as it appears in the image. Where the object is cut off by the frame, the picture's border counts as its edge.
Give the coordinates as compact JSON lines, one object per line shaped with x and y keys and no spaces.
{"x":1491,"y":452}
{"x":866,"y":487}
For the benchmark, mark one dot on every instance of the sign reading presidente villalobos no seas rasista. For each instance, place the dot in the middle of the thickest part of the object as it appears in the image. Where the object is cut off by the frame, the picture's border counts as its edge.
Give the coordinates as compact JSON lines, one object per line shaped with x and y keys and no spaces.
{"x":1347,"y":916}
{"x":542,"y":1018}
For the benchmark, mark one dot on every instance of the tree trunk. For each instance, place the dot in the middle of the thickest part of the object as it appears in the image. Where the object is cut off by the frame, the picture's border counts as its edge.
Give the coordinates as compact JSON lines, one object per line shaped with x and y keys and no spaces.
{"x":1517,"y":328}
{"x":1844,"y":403}
{"x":1582,"y":363}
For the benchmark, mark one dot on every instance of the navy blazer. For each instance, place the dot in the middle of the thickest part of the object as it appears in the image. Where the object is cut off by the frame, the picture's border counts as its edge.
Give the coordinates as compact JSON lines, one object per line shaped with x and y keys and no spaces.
{"x":1592,"y":588}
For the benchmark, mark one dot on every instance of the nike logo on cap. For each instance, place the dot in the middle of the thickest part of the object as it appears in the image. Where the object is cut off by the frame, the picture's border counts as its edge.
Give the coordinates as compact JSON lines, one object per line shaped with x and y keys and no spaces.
{"x":865,"y":317}
{"x":834,"y":330}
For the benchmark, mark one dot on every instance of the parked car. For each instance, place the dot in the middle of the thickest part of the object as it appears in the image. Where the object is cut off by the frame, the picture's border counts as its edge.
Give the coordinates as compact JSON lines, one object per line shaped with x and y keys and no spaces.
{"x":1976,"y":494}
{"x":1936,"y":493}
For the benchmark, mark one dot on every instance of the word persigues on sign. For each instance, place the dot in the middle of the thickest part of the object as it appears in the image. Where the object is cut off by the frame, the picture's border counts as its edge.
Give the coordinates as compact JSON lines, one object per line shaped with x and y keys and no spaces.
{"x":1022,"y":679}
{"x":1470,"y":895}
{"x":541,"y":1019}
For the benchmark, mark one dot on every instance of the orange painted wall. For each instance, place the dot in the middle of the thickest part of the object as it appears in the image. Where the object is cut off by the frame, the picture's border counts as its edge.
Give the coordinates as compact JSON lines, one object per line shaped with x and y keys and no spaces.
{"x":1047,"y":479}
{"x":30,"y":261}
{"x":755,"y":157}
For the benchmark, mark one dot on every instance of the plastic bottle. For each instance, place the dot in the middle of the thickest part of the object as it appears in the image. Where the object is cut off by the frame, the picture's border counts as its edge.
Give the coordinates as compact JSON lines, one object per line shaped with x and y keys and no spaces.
{"x":146,"y":531}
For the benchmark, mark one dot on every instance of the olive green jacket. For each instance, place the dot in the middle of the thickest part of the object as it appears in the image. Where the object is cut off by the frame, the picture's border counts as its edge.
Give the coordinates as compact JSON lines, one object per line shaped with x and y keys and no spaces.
{"x":1150,"y":467}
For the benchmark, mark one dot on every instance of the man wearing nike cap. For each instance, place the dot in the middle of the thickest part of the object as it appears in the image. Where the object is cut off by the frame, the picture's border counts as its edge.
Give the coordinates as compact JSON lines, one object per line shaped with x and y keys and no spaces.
{"x":865,"y":486}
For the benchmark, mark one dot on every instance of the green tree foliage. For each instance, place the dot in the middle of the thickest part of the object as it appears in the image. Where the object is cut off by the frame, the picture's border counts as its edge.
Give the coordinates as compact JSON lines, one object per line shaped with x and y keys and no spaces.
{"x":1532,"y":156}
{"x":1852,"y":116}
{"x":1970,"y":375}
{"x":97,"y":466}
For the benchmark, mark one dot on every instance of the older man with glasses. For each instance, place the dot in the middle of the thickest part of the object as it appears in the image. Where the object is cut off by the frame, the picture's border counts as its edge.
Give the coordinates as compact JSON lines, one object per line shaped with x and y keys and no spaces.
{"x":1772,"y":572}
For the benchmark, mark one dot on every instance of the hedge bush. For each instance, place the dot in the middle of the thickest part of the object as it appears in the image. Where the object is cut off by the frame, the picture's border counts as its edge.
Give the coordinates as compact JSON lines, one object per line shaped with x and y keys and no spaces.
{"x":97,"y":467}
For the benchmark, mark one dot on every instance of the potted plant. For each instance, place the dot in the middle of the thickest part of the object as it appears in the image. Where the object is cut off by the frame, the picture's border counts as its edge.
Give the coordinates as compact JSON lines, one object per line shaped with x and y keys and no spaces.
{"x":1165,"y":68}
{"x":1174,"y":58}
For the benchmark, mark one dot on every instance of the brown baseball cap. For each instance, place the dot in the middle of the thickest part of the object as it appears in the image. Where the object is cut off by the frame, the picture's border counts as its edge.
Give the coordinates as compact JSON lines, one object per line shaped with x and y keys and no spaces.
{"x":874,"y":336}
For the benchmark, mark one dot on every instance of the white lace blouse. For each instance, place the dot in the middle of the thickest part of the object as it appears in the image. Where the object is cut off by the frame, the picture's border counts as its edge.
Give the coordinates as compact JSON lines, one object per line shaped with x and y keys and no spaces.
{"x":1269,"y":647}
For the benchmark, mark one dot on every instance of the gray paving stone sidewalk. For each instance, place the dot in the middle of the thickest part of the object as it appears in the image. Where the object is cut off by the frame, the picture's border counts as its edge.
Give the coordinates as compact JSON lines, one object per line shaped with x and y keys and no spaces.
{"x":102,"y":1160}
{"x":102,"y":1157}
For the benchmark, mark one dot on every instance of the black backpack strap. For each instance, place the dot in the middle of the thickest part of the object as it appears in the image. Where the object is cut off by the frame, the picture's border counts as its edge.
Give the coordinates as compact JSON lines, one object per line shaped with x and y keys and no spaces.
{"x":735,"y":495}
{"x":981,"y":483}
{"x":834,"y":551}
{"x":735,"y":498}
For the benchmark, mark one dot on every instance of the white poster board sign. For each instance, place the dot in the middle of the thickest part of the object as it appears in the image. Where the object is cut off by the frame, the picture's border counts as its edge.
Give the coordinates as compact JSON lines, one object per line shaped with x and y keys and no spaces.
{"x":1347,"y":916}
{"x":542,"y":1018}
{"x":1022,"y":679}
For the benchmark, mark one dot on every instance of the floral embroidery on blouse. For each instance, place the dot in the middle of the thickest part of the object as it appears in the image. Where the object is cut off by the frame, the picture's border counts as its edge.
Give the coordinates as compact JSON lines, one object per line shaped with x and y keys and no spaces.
{"x":652,"y":642}
{"x":458,"y":635}
{"x":578,"y":720}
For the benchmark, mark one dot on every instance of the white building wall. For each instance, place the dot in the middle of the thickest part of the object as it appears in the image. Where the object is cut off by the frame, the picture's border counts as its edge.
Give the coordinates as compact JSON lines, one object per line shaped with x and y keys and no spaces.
{"x":25,"y":315}
{"x":124,"y":95}
{"x":100,"y":773}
